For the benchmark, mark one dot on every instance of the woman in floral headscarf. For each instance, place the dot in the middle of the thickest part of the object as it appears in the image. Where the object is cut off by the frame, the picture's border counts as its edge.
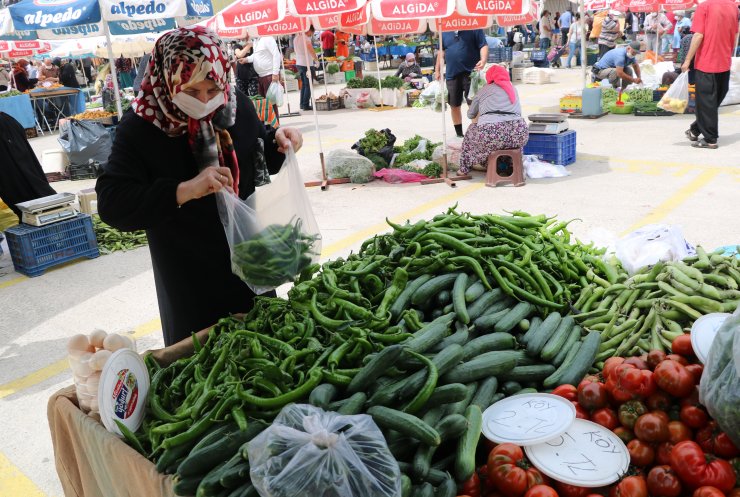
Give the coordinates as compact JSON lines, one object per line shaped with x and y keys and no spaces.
{"x":188,"y":134}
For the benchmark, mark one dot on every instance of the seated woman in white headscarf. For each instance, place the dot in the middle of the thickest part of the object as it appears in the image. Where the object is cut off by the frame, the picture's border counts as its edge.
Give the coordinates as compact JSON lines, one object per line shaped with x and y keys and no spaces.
{"x":409,"y":69}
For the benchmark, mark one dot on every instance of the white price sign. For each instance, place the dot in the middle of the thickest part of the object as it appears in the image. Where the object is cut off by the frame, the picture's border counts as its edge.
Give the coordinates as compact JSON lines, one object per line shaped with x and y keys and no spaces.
{"x":587,"y":455}
{"x":528,"y":419}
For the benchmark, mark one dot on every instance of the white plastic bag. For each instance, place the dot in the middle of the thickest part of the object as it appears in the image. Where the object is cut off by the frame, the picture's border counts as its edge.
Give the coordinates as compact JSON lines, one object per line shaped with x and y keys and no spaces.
{"x":536,"y":169}
{"x":273,"y":234}
{"x":477,"y":81}
{"x":275,"y":93}
{"x":650,"y":244}
{"x":309,"y":452}
{"x":676,"y":99}
{"x":429,"y":93}
{"x":719,"y":389}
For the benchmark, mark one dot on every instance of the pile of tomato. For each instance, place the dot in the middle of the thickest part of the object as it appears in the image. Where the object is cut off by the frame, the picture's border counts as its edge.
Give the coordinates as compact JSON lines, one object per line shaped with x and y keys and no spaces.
{"x":650,"y":402}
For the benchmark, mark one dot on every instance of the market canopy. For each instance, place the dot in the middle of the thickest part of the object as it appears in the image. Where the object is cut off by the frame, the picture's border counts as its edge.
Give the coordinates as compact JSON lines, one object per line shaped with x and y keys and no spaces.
{"x":516,"y":20}
{"x":18,"y":49}
{"x":71,"y":49}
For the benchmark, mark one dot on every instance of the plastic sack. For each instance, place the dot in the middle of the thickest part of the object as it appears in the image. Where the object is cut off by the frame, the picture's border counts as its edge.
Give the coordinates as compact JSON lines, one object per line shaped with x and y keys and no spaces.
{"x":719,"y":389}
{"x":386,"y":152}
{"x":536,"y":169}
{"x":310,"y":452}
{"x":430,"y":92}
{"x":733,"y":93}
{"x":650,"y":244}
{"x":364,"y":100}
{"x":477,"y":81}
{"x":275,"y":93}
{"x":273,"y":234}
{"x":676,"y":99}
{"x":85,"y":141}
{"x":348,"y":164}
{"x":396,"y":176}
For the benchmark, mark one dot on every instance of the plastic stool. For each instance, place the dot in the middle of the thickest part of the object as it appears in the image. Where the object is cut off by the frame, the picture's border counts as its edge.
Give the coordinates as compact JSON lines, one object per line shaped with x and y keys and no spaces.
{"x":493,"y":178}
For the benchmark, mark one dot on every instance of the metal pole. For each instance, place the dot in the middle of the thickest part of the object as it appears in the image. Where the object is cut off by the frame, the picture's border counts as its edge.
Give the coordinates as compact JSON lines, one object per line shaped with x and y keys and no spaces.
{"x":112,"y":63}
{"x":444,"y":101}
{"x":316,"y":116}
{"x":584,"y":55}
{"x":282,"y":65}
{"x":377,"y":68}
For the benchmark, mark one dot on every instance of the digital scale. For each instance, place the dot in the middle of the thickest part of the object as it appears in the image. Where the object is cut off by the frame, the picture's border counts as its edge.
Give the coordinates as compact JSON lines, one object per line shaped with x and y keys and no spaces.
{"x":48,"y":210}
{"x":548,"y":124}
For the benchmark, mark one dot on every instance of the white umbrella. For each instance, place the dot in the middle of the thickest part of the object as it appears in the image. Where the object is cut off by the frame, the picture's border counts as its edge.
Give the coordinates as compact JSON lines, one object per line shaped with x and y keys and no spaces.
{"x":127,"y":46}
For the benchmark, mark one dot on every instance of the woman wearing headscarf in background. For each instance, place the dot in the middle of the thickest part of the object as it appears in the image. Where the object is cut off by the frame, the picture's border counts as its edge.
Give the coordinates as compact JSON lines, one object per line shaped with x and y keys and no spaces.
{"x":498,"y":125}
{"x":188,"y":134}
{"x":20,"y":75}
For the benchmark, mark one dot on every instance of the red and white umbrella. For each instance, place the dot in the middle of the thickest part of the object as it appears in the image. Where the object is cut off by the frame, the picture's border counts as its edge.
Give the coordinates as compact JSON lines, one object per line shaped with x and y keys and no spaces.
{"x":516,"y":20}
{"x":363,"y":22}
{"x":673,"y":5}
{"x":246,"y":13}
{"x":459,"y":22}
{"x":596,"y":5}
{"x":493,"y":7}
{"x":18,"y":49}
{"x":637,"y":5}
{"x":411,"y":9}
{"x":313,"y":8}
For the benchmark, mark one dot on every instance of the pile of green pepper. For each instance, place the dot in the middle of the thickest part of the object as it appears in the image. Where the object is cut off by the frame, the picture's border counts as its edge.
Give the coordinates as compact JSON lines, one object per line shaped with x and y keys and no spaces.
{"x":111,"y":240}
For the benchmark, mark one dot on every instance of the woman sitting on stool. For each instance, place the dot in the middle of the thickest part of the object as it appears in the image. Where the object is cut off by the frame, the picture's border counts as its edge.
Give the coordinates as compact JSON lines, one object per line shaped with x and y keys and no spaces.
{"x":498,"y":123}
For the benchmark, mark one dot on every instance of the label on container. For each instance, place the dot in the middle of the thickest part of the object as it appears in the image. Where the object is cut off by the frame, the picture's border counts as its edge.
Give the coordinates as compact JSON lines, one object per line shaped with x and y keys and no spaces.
{"x":528,"y":419}
{"x":125,"y":394}
{"x":124,"y":385}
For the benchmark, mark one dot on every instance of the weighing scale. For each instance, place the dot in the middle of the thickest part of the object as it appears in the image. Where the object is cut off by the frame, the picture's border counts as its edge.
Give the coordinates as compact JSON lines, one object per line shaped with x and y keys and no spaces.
{"x":548,"y":124}
{"x":48,"y":210}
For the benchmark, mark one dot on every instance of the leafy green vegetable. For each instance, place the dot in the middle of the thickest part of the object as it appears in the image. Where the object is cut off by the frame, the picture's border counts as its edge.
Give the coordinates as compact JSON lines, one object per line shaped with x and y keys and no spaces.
{"x":11,"y":93}
{"x":393,"y":82}
{"x":379,"y":162}
{"x":332,"y":68}
{"x":373,"y":141}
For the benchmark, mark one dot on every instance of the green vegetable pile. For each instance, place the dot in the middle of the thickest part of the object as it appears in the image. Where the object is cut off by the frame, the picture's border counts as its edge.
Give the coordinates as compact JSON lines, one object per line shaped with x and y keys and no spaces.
{"x":11,"y":93}
{"x":110,"y":239}
{"x":407,"y":155}
{"x":274,"y":256}
{"x":393,"y":82}
{"x":373,"y":141}
{"x":332,"y":68}
{"x":366,"y":82}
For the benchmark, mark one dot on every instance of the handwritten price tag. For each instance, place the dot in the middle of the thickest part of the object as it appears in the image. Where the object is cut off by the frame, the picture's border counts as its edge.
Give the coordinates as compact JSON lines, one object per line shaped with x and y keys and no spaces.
{"x":528,"y":419}
{"x":587,"y":455}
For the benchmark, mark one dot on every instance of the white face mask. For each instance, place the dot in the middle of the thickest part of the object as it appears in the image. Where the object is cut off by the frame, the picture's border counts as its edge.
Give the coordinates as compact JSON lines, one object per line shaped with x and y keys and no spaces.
{"x":195,"y":108}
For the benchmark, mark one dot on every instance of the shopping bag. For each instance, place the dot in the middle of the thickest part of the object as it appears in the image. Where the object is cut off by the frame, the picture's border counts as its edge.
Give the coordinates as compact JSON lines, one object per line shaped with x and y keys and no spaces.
{"x":307,"y":451}
{"x":650,"y":244}
{"x":273,"y":235}
{"x":85,"y":141}
{"x":477,"y":81}
{"x":275,"y":93}
{"x":676,"y":99}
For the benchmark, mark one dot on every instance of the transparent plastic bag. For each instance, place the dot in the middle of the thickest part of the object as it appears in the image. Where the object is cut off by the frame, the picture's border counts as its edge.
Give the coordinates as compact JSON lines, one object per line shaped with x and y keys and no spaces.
{"x":719,"y":389}
{"x":676,"y":99}
{"x":477,"y":81}
{"x":650,"y":244}
{"x":273,"y":234}
{"x":396,"y":176}
{"x":275,"y":93}
{"x":310,"y":452}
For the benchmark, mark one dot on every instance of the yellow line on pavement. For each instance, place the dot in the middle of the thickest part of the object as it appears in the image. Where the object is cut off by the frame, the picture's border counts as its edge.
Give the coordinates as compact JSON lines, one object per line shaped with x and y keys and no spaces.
{"x":60,"y":366}
{"x":14,"y":483}
{"x":6,"y":284}
{"x":377,"y":228}
{"x":683,"y":194}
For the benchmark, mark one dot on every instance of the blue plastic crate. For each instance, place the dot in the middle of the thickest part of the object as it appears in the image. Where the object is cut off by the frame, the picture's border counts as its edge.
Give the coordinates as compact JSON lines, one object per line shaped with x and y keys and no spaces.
{"x":500,"y":54}
{"x":560,"y":148}
{"x":34,"y":249}
{"x":538,"y":55}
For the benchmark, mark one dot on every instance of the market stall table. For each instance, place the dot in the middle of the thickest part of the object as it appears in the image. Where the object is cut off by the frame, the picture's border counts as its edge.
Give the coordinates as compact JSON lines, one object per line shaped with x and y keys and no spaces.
{"x":42,"y":100}
{"x":19,"y":108}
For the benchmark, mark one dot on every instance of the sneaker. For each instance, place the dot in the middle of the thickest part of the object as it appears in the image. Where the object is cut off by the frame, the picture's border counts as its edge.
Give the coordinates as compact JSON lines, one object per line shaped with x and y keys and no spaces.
{"x":691,"y":136}
{"x":704,"y":144}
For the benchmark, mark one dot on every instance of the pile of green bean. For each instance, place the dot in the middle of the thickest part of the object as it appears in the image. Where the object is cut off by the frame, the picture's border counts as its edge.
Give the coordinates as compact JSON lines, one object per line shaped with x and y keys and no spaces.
{"x":648,"y":310}
{"x":111,"y":240}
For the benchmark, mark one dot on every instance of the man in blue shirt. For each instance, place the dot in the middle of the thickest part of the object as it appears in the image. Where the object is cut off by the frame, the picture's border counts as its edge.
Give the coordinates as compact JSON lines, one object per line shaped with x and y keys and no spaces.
{"x":566,"y":19}
{"x":615,"y":66}
{"x":463,"y":52}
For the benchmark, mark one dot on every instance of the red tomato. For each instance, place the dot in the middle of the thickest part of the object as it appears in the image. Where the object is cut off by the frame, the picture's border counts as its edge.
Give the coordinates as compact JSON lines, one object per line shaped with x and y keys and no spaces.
{"x":592,"y":395}
{"x":471,"y":486}
{"x":663,"y":453}
{"x":610,"y":364}
{"x":662,"y":481}
{"x":566,"y":391}
{"x":632,"y":486}
{"x":696,"y":370}
{"x":735,"y":492}
{"x":662,"y":415}
{"x":682,"y":345}
{"x":507,"y":449}
{"x":630,"y":411}
{"x":641,"y":453}
{"x":625,"y":434}
{"x":694,"y":416}
{"x":712,"y":439}
{"x":581,"y":413}
{"x":509,"y":471}
{"x":482,"y":473}
{"x":697,"y":469}
{"x":651,"y":427}
{"x":565,"y":490}
{"x":541,"y":491}
{"x":637,"y":362}
{"x":606,"y":417}
{"x":659,"y":401}
{"x":674,"y":378}
{"x":678,"y":432}
{"x":655,"y":357}
{"x":678,"y":358}
{"x":708,"y":491}
{"x":590,"y":378}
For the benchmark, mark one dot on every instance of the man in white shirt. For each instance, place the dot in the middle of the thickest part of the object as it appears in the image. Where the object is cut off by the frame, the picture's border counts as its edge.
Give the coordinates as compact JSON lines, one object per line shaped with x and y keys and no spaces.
{"x":305,"y":57}
{"x":266,"y":59}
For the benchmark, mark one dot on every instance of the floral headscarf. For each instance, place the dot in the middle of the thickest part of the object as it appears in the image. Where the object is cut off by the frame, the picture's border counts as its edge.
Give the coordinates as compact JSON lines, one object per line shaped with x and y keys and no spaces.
{"x":181,"y":58}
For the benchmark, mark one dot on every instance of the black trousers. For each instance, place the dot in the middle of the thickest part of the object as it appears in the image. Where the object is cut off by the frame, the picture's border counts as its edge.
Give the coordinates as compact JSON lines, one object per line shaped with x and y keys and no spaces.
{"x":711,"y":89}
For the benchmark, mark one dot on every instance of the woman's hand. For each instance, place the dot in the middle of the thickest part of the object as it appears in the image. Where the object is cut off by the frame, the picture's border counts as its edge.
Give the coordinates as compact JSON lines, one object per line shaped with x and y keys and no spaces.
{"x":210,"y":180}
{"x":287,"y":137}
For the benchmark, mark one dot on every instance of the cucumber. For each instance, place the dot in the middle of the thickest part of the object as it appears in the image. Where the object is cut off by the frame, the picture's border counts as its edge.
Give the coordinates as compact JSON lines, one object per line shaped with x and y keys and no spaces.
{"x":423,"y":295}
{"x":511,"y":387}
{"x":405,"y":423}
{"x":211,"y":482}
{"x":483,"y":366}
{"x":234,"y":473}
{"x":486,"y":322}
{"x":171,"y":456}
{"x":526,"y":391}
{"x":488,"y":343}
{"x":434,"y":415}
{"x":403,"y":300}
{"x":467,"y":444}
{"x":373,"y":370}
{"x":458,"y":298}
{"x":497,"y":396}
{"x":424,"y":490}
{"x":459,"y":407}
{"x":354,"y":404}
{"x":477,"y":308}
{"x":403,"y":448}
{"x":524,"y":325}
{"x":186,"y":485}
{"x":436,"y":477}
{"x":543,"y":333}
{"x":246,"y":490}
{"x":474,"y":291}
{"x":448,"y":488}
{"x":405,"y":486}
{"x":436,"y":313}
{"x":444,"y":463}
{"x":446,"y":394}
{"x":558,"y":338}
{"x":430,"y":335}
{"x":450,"y":427}
{"x":203,"y":459}
{"x":484,"y":393}
{"x":573,"y":337}
{"x":504,"y":304}
{"x":443,"y":298}
{"x":519,"y":312}
{"x":533,"y":325}
{"x":583,"y":360}
{"x":460,"y":337}
{"x":322,"y":395}
{"x":554,"y":379}
{"x":526,"y":374}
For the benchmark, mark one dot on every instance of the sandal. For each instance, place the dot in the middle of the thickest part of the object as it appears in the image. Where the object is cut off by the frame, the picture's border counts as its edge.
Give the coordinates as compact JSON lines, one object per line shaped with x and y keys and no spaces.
{"x":704,"y":144}
{"x":691,"y":136}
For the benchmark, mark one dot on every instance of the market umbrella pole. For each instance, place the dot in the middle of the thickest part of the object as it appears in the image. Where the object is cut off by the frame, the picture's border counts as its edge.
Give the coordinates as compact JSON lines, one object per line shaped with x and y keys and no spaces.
{"x":584,"y":55}
{"x":112,"y":63}
{"x":377,"y":68}
{"x":282,"y":64}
